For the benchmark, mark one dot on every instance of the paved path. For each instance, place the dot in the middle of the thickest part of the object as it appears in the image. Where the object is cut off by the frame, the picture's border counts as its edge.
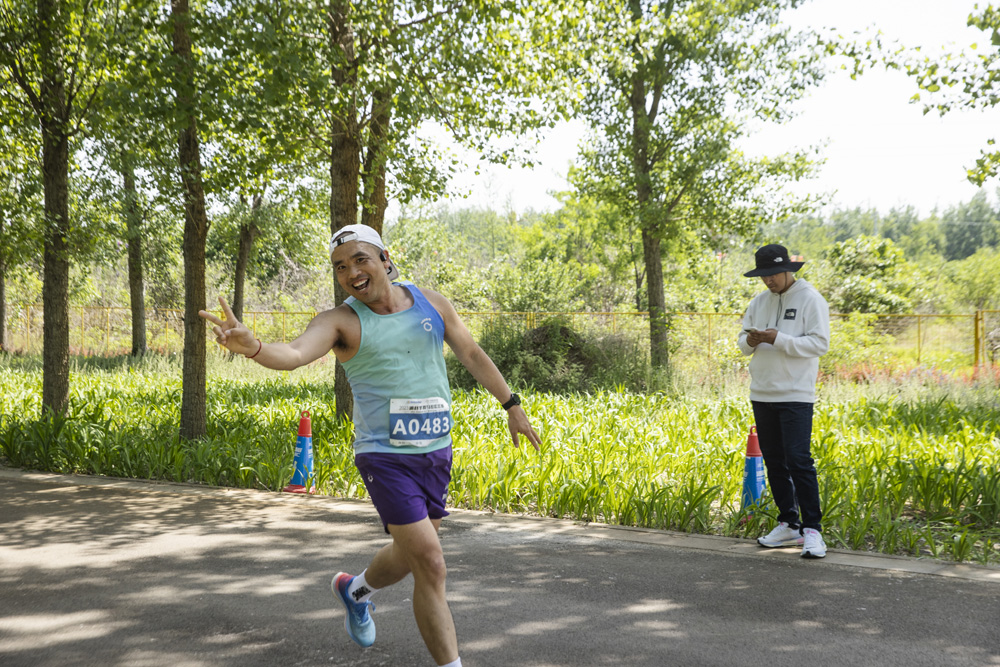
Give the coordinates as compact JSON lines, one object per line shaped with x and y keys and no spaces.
{"x":95,"y":571}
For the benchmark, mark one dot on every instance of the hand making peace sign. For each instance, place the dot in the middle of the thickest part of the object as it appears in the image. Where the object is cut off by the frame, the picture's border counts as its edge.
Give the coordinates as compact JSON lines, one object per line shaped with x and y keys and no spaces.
{"x":230,"y":333}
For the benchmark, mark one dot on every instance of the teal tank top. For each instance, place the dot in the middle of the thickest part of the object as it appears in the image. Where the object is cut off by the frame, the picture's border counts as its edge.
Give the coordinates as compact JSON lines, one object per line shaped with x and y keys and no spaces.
{"x":402,"y":399}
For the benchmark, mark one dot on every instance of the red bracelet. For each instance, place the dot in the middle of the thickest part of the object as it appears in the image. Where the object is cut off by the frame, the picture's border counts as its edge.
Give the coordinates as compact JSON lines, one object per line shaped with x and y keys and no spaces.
{"x":260,"y":346}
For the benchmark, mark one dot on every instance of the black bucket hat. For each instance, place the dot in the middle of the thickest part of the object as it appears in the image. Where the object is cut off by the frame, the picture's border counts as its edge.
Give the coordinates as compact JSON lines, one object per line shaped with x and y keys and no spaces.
{"x":772,"y":259}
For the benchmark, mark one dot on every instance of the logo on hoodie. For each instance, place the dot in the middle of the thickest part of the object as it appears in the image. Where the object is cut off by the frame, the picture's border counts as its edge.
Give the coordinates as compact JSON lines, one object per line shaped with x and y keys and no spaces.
{"x":790,"y":313}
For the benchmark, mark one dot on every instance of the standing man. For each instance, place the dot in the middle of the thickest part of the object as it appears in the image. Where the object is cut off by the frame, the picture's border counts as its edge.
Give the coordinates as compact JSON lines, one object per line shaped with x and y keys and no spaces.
{"x":787,"y":329}
{"x":390,"y":338}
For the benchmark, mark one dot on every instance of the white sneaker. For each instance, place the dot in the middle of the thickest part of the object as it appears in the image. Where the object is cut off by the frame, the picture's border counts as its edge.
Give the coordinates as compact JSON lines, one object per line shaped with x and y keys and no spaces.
{"x":813,"y":545}
{"x":782,"y":536}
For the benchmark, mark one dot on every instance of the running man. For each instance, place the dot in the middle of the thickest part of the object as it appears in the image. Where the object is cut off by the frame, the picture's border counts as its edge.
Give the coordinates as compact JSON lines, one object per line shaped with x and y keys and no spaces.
{"x":389,"y":337}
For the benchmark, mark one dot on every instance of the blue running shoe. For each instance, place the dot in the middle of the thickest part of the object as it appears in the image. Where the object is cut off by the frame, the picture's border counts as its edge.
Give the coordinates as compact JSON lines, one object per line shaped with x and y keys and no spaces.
{"x":359,"y":624}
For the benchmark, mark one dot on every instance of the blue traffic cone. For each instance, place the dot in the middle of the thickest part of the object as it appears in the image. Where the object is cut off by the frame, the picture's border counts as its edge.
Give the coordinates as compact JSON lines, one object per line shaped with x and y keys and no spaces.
{"x":303,"y":458}
{"x":753,"y":472}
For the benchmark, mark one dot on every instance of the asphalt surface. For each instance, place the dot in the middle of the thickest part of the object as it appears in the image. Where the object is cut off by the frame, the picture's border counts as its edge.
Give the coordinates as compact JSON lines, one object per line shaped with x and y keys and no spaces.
{"x":97,"y":571}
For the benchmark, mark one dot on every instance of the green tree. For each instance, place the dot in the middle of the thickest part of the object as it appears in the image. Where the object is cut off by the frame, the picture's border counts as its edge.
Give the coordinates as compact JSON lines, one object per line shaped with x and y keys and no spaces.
{"x":133,"y":136}
{"x":594,"y":236}
{"x":54,"y":55}
{"x":977,"y":279}
{"x":365,"y":76}
{"x":188,"y":111}
{"x":681,"y":80}
{"x":20,"y":190}
{"x":965,"y":81}
{"x":920,"y":239}
{"x":969,"y":227}
{"x":287,"y":231}
{"x":429,"y":253}
{"x":869,"y":275}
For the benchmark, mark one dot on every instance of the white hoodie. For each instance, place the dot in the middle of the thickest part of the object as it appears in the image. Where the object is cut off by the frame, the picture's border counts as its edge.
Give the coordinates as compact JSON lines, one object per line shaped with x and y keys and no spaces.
{"x":786,"y":370}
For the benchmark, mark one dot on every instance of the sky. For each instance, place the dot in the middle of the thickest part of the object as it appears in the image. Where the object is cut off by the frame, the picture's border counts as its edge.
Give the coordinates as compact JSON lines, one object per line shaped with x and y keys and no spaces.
{"x":881,"y":150}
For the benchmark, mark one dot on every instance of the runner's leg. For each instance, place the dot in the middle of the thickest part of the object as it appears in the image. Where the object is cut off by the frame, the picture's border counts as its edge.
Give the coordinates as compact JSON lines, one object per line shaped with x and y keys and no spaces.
{"x":418,"y":544}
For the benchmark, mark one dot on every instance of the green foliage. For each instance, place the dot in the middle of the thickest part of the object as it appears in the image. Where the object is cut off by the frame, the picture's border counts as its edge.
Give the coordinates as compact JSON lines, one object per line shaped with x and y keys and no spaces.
{"x":680,"y":83}
{"x":363,"y":81}
{"x":593,"y":237}
{"x":869,"y":275}
{"x":555,"y":357}
{"x":122,"y":419}
{"x":547,"y":286}
{"x":977,"y":279}
{"x":287,"y":236}
{"x":20,"y":188}
{"x":963,"y":81}
{"x":24,"y":285}
{"x":911,"y":470}
{"x":431,"y":251}
{"x":969,"y":227}
{"x":855,"y":342}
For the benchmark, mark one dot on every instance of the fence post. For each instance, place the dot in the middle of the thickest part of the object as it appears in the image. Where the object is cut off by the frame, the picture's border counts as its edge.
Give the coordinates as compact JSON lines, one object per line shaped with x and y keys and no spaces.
{"x":27,"y":329}
{"x":107,"y":332}
{"x":919,"y":338}
{"x":977,"y":337}
{"x":709,"y":316}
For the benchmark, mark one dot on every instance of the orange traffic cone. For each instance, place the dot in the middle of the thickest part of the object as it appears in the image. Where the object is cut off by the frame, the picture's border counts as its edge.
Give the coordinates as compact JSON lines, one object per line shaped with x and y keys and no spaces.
{"x":753,"y":472}
{"x":303,"y":458}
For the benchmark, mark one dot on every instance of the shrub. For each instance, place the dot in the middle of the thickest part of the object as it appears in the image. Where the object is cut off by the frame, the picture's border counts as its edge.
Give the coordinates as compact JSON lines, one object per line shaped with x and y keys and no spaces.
{"x":555,"y":357}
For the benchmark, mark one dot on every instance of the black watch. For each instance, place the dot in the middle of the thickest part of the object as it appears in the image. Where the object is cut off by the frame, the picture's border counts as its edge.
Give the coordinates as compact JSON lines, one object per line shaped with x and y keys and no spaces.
{"x":511,"y":402}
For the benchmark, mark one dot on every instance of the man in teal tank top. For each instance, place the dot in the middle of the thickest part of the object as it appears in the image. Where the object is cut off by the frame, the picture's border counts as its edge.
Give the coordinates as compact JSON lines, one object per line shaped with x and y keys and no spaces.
{"x":389,"y":337}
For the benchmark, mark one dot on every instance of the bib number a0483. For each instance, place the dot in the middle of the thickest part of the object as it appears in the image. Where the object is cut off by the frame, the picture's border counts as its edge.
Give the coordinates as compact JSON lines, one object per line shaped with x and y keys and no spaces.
{"x":418,"y":422}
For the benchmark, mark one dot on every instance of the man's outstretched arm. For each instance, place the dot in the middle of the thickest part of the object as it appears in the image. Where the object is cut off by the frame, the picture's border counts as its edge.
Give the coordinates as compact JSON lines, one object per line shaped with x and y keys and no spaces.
{"x":318,"y":339}
{"x":479,"y":364}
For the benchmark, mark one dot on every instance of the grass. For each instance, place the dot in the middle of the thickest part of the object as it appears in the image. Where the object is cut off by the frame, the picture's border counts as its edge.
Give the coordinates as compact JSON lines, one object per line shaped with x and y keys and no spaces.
{"x":906,"y":467}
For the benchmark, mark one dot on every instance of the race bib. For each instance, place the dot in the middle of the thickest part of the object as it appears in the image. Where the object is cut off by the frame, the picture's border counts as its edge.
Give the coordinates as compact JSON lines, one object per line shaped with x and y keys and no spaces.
{"x":417,"y":422}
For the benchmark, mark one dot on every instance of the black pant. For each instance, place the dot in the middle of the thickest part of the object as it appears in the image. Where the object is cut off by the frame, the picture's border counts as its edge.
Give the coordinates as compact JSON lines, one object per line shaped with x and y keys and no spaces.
{"x":784,"y":431}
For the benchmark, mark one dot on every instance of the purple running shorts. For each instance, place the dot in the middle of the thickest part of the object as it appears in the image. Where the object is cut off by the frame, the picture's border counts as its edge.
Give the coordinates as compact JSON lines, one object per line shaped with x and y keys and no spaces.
{"x":405,"y":488}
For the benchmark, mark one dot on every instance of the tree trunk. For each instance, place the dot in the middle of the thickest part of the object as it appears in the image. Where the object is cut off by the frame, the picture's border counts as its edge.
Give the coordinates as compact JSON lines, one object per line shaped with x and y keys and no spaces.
{"x":640,"y":277}
{"x":375,"y":201}
{"x":136,"y":281}
{"x":345,"y":167}
{"x":55,"y":180}
{"x":193,"y":393}
{"x":3,"y":293}
{"x":642,"y":121}
{"x":248,"y":233}
{"x":659,"y":353}
{"x":55,"y":272}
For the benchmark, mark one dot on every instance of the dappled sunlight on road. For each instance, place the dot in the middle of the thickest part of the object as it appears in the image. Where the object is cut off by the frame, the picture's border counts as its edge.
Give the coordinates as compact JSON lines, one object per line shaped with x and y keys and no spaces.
{"x":24,"y":633}
{"x":130,"y":575}
{"x":548,"y":625}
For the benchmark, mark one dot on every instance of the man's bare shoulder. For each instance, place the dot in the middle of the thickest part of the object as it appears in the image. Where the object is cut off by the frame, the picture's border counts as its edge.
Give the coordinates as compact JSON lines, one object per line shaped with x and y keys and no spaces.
{"x":338,"y":327}
{"x":333,"y":313}
{"x":334,"y":318}
{"x":438,"y":300}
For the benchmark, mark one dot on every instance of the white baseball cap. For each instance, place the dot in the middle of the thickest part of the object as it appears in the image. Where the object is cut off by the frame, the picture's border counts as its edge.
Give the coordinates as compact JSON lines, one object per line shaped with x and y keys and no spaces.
{"x":365,"y":234}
